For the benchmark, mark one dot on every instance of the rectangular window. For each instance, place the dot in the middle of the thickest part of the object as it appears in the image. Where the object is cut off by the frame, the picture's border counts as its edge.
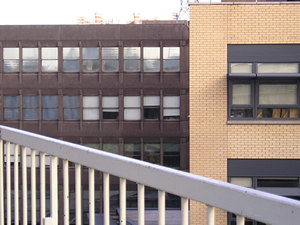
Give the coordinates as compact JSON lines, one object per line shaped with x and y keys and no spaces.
{"x":132,"y":59}
{"x":71,"y":59}
{"x":11,"y":108}
{"x":110,"y":59}
{"x":132,"y":108}
{"x":241,"y":101}
{"x":171,"y":59}
{"x":30,"y":59}
{"x":277,"y":68}
{"x":112,"y":148}
{"x":172,"y":155}
{"x":283,"y":182}
{"x":242,"y":181}
{"x":30,"y":107}
{"x":152,"y":107}
{"x":240,"y":68}
{"x":90,"y":108}
{"x":71,"y":107}
{"x":151,"y":59}
{"x":171,"y":106}
{"x":152,"y":153}
{"x":49,"y":59}
{"x":11,"y":59}
{"x":132,"y":150}
{"x":110,"y":107}
{"x":50,"y":107}
{"x":90,"y":59}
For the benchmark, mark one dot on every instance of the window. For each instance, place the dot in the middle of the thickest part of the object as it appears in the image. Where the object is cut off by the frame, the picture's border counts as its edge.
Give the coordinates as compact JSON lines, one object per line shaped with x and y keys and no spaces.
{"x":132,"y":108}
{"x":110,"y":59}
{"x":93,"y":145}
{"x":171,"y":59}
{"x":132,"y":59}
{"x":152,"y":107}
{"x":171,"y":107}
{"x":277,"y":67}
{"x":90,"y":108}
{"x":11,"y":107}
{"x":11,"y":59}
{"x":152,"y":153}
{"x":30,"y":107}
{"x":71,"y":59}
{"x":50,"y":107}
{"x":132,"y":150}
{"x":281,"y":182}
{"x":110,"y":107}
{"x":239,"y":68}
{"x":30,"y":59}
{"x":242,"y":181}
{"x":90,"y":59}
{"x":241,"y":101}
{"x":172,"y":155}
{"x":71,"y":107}
{"x":112,"y":148}
{"x":151,"y":59}
{"x":49,"y":60}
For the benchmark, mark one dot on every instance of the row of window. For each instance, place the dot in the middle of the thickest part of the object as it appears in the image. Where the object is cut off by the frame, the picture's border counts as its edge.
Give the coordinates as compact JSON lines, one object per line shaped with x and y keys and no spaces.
{"x":263,"y":68}
{"x":91,"y":59}
{"x":47,"y":107}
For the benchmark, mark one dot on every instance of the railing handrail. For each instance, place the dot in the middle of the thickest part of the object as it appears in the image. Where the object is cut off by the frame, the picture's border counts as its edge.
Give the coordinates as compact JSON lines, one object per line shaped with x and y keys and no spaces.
{"x":265,"y":207}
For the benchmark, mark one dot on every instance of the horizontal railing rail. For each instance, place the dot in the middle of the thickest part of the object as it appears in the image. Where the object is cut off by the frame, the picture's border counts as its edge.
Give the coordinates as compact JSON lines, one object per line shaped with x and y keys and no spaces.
{"x":243,"y":202}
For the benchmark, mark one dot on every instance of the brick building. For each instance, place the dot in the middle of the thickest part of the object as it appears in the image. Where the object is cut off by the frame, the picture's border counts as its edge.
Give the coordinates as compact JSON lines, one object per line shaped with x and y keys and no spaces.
{"x":244,"y":97}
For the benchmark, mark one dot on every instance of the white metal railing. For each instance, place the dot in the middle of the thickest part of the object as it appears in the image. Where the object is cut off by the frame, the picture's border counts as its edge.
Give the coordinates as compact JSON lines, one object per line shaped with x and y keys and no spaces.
{"x":244,"y":202}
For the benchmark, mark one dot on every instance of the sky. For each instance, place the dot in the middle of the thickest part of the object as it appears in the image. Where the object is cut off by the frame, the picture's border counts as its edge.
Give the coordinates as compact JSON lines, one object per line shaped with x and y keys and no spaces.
{"x":25,"y":12}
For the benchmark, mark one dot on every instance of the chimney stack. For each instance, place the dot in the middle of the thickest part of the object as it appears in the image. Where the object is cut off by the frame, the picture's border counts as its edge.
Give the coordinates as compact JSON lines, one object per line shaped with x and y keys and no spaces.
{"x":136,"y":17}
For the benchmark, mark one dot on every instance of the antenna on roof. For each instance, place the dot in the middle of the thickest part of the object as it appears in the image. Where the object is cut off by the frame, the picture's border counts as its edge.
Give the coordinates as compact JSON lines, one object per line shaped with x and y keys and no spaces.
{"x":184,"y":12}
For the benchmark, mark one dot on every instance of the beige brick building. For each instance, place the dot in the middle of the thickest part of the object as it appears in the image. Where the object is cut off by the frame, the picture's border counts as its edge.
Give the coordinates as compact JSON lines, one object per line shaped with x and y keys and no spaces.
{"x":263,"y":38}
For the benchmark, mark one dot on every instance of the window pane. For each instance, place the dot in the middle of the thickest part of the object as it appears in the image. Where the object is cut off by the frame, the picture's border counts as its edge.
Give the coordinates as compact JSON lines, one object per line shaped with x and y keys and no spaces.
{"x":112,"y":148}
{"x":171,"y":52}
{"x":171,"y":112}
{"x":30,"y":66}
{"x":277,"y":113}
{"x":132,"y":149}
{"x":151,"y":52}
{"x":90,"y":65}
{"x":49,"y":66}
{"x":71,"y":114}
{"x":110,"y":102}
{"x":277,"y":68}
{"x":30,"y":53}
{"x":95,"y":146}
{"x":132,"y":53}
{"x":280,"y":94}
{"x":11,"y":101}
{"x":242,"y":181}
{"x":152,"y":113}
{"x":49,"y":53}
{"x":132,"y":101}
{"x":91,"y":114}
{"x":132,"y":65}
{"x":11,"y":114}
{"x":71,"y":53}
{"x":172,"y":155}
{"x":240,"y":67}
{"x":152,"y":153}
{"x":241,"y":113}
{"x":277,"y":182}
{"x":151,"y":65}
{"x":30,"y":114}
{"x":110,"y":53}
{"x":11,"y":65}
{"x":110,"y":114}
{"x":10,"y":53}
{"x":151,"y":101}
{"x":132,"y":114}
{"x":71,"y":101}
{"x":90,"y":53}
{"x":50,"y":101}
{"x":171,"y":101}
{"x":71,"y":66}
{"x":30,"y":101}
{"x":241,"y":94}
{"x":91,"y":101}
{"x":171,"y":66}
{"x":50,"y":114}
{"x":110,"y":65}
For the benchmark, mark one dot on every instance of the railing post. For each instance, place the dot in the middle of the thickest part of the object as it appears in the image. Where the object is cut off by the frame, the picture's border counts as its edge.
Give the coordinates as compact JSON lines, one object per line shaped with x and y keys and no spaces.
{"x":54,"y":190}
{"x":16,"y":182}
{"x":141,"y":204}
{"x":106,"y":197}
{"x":91,"y":196}
{"x":122,"y":201}
{"x":184,"y":211}
{"x":78,"y":193}
{"x":42,"y":187}
{"x":240,"y":220}
{"x":161,"y":207}
{"x":66,"y":191}
{"x":33,"y":188}
{"x":210,"y":215}
{"x":8,"y":181}
{"x":24,"y":184}
{"x":1,"y":184}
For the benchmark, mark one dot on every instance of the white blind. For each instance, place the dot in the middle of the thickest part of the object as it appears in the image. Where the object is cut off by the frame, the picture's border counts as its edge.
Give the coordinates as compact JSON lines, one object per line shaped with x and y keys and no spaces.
{"x":171,"y":52}
{"x":110,"y":102}
{"x":71,"y":53}
{"x":151,"y":101}
{"x":241,"y":94}
{"x":278,"y":94}
{"x":10,"y":53}
{"x":49,"y":53}
{"x":151,"y":53}
{"x":277,"y":68}
{"x":131,"y":52}
{"x":240,"y":67}
{"x":30,"y":53}
{"x":171,"y":112}
{"x":91,"y":114}
{"x":171,"y":101}
{"x":132,"y":101}
{"x":132,"y":114}
{"x":91,"y":101}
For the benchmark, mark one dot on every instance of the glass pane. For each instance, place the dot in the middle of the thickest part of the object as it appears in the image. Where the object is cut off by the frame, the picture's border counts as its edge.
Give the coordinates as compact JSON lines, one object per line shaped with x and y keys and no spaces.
{"x":151,"y":52}
{"x":171,"y":148}
{"x":151,"y":100}
{"x":50,"y":101}
{"x":11,"y":53}
{"x":95,"y":146}
{"x":132,"y":65}
{"x":171,"y":65}
{"x":90,"y":65}
{"x":110,"y":102}
{"x":277,"y":182}
{"x":171,"y":52}
{"x":112,"y":148}
{"x":91,"y":114}
{"x":11,"y":65}
{"x":132,"y":53}
{"x":132,"y":101}
{"x":152,"y":153}
{"x":90,"y":53}
{"x":240,"y":67}
{"x":152,"y":113}
{"x":110,"y":65}
{"x":71,"y":101}
{"x":110,"y":53}
{"x":11,"y":101}
{"x":242,"y":181}
{"x":132,"y":149}
{"x":71,"y":114}
{"x":50,"y":114}
{"x":71,"y":53}
{"x":30,"y":114}
{"x":49,"y":53}
{"x":30,"y":101}
{"x":277,"y":68}
{"x":277,"y":94}
{"x":30,"y":66}
{"x":49,"y":66}
{"x":110,"y":115}
{"x":11,"y":114}
{"x":171,"y":101}
{"x":30,"y":53}
{"x":132,"y":114}
{"x":277,"y":113}
{"x":241,"y":113}
{"x":71,"y":66}
{"x":171,"y":112}
{"x":151,"y":65}
{"x":241,"y":94}
{"x":91,"y":101}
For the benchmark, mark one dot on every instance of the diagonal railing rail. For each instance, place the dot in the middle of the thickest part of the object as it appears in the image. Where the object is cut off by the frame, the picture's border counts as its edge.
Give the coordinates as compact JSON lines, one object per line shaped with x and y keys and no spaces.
{"x":244,"y":202}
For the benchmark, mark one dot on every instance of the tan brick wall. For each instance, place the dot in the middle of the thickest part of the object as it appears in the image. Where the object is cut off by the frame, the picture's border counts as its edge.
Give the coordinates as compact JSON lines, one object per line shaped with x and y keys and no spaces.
{"x":212,"y":141}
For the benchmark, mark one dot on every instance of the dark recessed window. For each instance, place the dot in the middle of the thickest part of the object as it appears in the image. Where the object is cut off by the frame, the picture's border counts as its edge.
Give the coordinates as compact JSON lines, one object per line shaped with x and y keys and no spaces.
{"x":11,"y":107}
{"x":152,"y":107}
{"x":71,"y":107}
{"x":30,"y":107}
{"x":277,"y":182}
{"x":172,"y":155}
{"x":152,"y":153}
{"x":50,"y":107}
{"x":112,"y":148}
{"x":132,"y":150}
{"x":110,"y":107}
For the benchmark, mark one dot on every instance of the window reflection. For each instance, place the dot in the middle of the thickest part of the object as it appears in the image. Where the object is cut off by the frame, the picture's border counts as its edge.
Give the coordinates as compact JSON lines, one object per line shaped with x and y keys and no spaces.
{"x":110,"y":59}
{"x":11,"y":59}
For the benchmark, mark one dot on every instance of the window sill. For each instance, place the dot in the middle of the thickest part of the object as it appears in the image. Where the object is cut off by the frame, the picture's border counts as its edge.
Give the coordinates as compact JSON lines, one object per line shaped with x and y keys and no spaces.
{"x":263,"y":122}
